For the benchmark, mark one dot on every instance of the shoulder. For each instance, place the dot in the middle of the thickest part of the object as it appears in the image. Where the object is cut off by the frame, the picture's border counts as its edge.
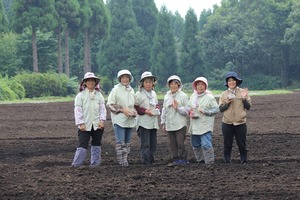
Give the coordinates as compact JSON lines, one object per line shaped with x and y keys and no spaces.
{"x":210,"y":96}
{"x":183,"y":94}
{"x":224,"y":92}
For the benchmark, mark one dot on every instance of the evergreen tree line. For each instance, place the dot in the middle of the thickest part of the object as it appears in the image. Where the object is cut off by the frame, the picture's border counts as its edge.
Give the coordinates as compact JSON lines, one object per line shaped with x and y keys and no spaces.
{"x":257,"y":39}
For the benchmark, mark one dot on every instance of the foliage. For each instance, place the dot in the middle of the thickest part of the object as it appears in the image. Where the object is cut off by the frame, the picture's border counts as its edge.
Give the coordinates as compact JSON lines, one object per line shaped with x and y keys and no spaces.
{"x":261,"y":82}
{"x":163,"y":55}
{"x":46,"y":48}
{"x":10,"y":89}
{"x":255,"y":37}
{"x":124,"y":47}
{"x":105,"y":84}
{"x":36,"y":14}
{"x":3,"y":19}
{"x":9,"y":60}
{"x":190,"y":61}
{"x":45,"y":84}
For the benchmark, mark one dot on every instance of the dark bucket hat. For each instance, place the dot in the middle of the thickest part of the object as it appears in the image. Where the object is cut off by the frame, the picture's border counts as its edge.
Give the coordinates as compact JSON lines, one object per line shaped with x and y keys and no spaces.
{"x":234,"y":76}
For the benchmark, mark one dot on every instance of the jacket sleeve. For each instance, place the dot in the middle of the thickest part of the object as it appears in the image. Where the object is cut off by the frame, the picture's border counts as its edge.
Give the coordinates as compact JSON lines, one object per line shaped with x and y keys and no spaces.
{"x":78,"y":114}
{"x":247,"y":104}
{"x":140,"y":110}
{"x":103,"y":112}
{"x":223,"y":107}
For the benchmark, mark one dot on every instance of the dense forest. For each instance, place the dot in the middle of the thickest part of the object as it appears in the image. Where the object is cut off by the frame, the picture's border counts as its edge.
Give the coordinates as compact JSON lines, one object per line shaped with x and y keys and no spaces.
{"x":66,"y":38}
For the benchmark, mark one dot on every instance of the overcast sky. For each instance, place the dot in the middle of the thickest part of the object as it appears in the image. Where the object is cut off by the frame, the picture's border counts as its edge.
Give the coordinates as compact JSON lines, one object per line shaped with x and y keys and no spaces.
{"x":182,"y":6}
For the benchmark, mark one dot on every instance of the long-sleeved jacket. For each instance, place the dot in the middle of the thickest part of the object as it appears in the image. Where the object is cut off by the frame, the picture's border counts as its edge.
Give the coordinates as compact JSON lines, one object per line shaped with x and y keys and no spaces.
{"x":121,"y":97}
{"x":234,"y":112}
{"x":174,"y":119}
{"x":143,"y":102}
{"x":89,"y":109}
{"x":204,"y":122}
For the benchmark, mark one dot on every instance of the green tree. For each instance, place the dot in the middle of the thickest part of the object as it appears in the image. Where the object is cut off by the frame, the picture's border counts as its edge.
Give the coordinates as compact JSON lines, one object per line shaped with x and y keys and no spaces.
{"x":177,"y":25}
{"x":3,"y":19}
{"x":96,"y":23}
{"x":163,"y":54}
{"x":190,"y":61}
{"x":9,"y":60}
{"x":47,"y":50}
{"x":124,"y":46}
{"x":146,"y":15}
{"x":203,"y":19}
{"x":68,"y":11}
{"x":36,"y":14}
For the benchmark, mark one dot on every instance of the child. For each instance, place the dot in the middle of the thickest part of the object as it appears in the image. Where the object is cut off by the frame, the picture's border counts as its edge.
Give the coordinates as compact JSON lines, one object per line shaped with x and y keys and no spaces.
{"x":90,"y":114}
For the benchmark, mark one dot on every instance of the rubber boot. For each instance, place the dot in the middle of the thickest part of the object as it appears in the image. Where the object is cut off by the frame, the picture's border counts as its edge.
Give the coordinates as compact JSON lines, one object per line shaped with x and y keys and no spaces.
{"x":126,"y":152}
{"x":79,"y":157}
{"x":119,"y":151}
{"x":95,"y":156}
{"x":198,"y":152}
{"x":209,"y":156}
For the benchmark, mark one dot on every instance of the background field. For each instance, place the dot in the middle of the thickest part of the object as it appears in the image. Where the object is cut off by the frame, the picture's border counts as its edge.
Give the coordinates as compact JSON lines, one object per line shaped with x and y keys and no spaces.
{"x":38,"y":141}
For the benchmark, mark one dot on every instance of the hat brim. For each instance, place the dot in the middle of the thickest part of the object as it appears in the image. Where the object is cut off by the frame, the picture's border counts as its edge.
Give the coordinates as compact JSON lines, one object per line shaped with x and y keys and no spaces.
{"x":153,"y":77}
{"x":238,"y":81}
{"x":96,"y":78}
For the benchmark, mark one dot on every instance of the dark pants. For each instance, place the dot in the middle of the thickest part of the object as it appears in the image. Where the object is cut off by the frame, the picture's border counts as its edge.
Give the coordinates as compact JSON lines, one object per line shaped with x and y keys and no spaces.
{"x":177,"y":139}
{"x":239,"y":132}
{"x":84,"y":137}
{"x":148,"y":139}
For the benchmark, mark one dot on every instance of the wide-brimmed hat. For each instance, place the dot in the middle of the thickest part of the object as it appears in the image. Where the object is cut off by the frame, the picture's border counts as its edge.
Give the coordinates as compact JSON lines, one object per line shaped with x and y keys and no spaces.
{"x":147,"y":74}
{"x":234,"y":76}
{"x":174,"y":78}
{"x":124,"y":72}
{"x":198,"y":79}
{"x":90,"y":75}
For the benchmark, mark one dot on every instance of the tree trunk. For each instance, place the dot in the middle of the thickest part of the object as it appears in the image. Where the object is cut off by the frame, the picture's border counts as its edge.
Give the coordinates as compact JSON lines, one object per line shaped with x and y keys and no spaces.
{"x":86,"y":67}
{"x":67,"y":58}
{"x":34,"y":51}
{"x":285,"y":66}
{"x":59,"y":57}
{"x":89,"y":53}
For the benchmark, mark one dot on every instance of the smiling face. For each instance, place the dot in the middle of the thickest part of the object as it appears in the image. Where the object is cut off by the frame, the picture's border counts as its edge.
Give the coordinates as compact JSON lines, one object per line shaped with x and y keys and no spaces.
{"x":200,"y":87}
{"x":90,"y":83}
{"x":148,"y":84}
{"x":174,"y":86}
{"x":231,"y":82}
{"x":125,"y":79}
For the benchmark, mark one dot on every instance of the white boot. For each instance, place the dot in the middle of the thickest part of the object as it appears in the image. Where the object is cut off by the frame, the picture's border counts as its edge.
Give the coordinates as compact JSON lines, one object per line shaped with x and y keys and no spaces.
{"x":95,"y":155}
{"x":79,"y":157}
{"x":198,"y":152}
{"x":209,"y":156}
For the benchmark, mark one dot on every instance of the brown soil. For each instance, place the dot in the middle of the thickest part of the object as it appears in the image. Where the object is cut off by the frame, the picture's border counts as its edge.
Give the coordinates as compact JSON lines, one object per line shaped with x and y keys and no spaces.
{"x":38,"y":142}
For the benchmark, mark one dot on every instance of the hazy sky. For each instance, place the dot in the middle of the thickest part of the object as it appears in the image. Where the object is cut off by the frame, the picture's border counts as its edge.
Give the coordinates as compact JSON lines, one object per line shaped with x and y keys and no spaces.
{"x":182,"y":6}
